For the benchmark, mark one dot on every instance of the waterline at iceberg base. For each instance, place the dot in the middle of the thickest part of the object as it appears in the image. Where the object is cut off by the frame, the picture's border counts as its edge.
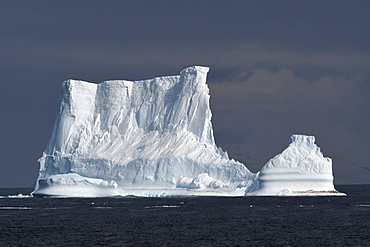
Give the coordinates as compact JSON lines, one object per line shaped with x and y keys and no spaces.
{"x":155,"y":138}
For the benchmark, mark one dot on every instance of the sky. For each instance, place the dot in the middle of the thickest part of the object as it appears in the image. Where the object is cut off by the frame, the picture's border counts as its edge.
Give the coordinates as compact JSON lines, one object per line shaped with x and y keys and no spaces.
{"x":277,"y":68}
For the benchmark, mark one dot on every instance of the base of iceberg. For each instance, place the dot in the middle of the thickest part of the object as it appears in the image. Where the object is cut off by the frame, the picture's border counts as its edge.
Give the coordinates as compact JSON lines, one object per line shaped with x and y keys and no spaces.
{"x":74,"y":185}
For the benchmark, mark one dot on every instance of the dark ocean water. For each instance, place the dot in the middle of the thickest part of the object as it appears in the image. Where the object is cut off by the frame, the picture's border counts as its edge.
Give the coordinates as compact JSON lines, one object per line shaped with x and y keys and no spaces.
{"x":187,"y":221}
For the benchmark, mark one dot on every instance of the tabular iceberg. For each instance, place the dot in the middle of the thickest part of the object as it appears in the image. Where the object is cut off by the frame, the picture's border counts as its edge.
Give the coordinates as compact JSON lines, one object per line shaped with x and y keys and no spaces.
{"x":155,"y":138}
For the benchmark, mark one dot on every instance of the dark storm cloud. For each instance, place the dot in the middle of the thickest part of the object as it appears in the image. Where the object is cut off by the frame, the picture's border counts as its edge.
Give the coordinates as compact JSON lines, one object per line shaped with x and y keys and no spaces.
{"x":277,"y":67}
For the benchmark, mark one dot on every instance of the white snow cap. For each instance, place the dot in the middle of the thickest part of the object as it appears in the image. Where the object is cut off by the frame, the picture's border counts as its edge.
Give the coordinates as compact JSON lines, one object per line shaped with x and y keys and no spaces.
{"x":147,"y":136}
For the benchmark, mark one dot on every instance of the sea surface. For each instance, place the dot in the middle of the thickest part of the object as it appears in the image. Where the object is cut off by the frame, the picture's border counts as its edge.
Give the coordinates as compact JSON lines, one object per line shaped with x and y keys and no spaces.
{"x":187,"y":221}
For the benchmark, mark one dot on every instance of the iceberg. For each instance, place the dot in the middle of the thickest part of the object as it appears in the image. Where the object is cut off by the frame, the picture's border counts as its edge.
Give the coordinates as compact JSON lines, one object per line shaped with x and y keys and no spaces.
{"x":301,"y":169}
{"x":155,"y":138}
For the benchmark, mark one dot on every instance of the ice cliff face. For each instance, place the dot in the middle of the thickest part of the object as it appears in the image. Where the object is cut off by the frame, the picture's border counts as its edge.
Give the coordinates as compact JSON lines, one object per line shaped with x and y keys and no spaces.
{"x":154,"y":137}
{"x":150,"y":133}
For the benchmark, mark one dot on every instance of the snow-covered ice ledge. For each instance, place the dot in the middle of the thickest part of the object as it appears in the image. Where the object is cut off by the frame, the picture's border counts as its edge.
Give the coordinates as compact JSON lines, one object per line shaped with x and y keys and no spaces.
{"x":155,"y":138}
